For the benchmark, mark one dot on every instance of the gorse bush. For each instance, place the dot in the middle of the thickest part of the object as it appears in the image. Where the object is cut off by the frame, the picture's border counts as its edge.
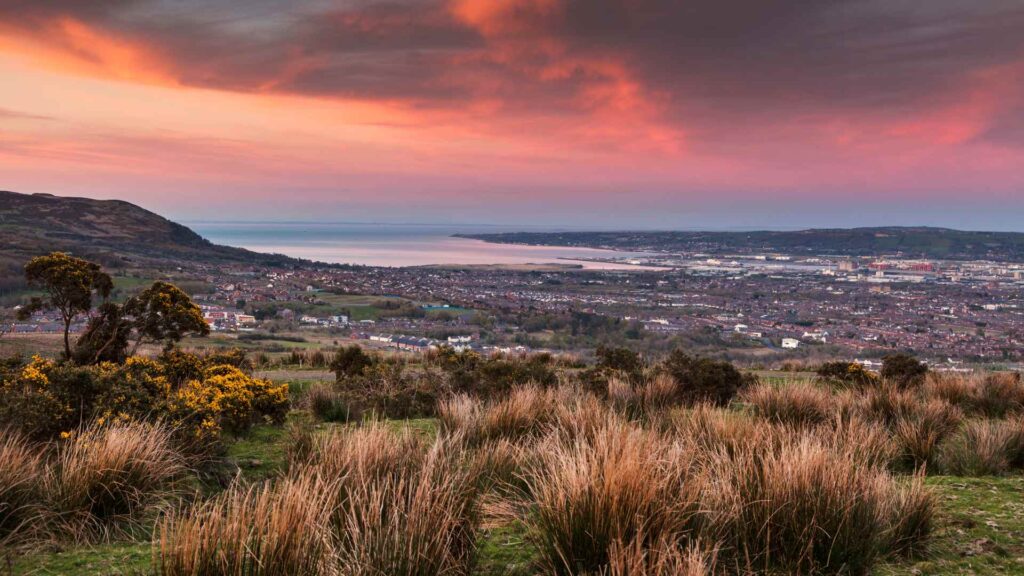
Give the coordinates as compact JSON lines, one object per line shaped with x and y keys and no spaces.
{"x":495,"y":375}
{"x":44,"y":398}
{"x":384,"y":389}
{"x":846,"y":374}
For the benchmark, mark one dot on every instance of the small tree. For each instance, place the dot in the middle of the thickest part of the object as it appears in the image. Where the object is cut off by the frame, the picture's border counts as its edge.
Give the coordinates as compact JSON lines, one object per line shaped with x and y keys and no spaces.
{"x":164,"y":313}
{"x":703,"y":379}
{"x":904,"y":370}
{"x":105,"y":338}
{"x":620,"y":359}
{"x":350,"y":361}
{"x":69,"y":283}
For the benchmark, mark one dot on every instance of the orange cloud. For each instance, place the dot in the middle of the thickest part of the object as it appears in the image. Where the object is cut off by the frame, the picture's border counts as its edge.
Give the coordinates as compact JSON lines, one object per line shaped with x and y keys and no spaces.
{"x":70,"y":45}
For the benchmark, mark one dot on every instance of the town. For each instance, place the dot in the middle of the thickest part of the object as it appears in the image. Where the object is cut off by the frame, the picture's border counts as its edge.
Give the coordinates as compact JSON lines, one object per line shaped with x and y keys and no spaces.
{"x":770,"y":308}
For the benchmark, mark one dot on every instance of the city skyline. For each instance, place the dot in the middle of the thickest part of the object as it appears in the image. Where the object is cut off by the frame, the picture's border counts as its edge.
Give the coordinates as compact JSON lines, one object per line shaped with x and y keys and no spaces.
{"x":640,"y":114}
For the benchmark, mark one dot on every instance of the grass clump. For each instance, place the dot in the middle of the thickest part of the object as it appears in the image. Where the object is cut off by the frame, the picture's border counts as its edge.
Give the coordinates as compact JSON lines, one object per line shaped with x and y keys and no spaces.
{"x":102,"y":479}
{"x":21,"y":468}
{"x":269,"y":529}
{"x":797,"y":403}
{"x":590,"y":493}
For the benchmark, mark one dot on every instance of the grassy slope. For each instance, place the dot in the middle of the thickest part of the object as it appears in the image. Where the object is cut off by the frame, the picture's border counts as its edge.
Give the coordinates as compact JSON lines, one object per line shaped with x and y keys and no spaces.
{"x":981,"y":525}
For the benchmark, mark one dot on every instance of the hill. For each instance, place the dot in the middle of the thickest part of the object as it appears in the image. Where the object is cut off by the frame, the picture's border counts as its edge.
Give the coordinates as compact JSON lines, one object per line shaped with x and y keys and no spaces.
{"x":114,"y":233}
{"x":910,"y":242}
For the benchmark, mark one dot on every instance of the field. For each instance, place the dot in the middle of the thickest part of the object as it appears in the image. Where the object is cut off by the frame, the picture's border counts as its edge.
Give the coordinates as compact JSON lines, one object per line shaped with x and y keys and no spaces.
{"x":532,"y":480}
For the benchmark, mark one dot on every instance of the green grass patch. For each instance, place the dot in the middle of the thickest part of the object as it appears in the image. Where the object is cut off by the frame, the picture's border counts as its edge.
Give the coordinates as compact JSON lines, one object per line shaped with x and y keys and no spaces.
{"x":981,"y":529}
{"x":107,"y":560}
{"x":260,"y":454}
{"x":504,"y":551}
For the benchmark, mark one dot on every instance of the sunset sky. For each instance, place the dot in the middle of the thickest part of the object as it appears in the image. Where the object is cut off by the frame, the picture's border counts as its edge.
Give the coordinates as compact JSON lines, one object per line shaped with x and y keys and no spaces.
{"x":610,"y":113}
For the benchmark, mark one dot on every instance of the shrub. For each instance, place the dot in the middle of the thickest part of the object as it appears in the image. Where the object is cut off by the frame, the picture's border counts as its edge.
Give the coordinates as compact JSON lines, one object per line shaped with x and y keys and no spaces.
{"x":385,"y":390}
{"x":228,"y":398}
{"x":493,"y":376}
{"x":181,"y":367}
{"x":20,"y":472}
{"x":273,"y":529}
{"x":134,"y":390}
{"x":903,"y":370}
{"x":703,"y":379}
{"x":846,"y":374}
{"x":350,"y":361}
{"x":797,"y":403}
{"x":620,"y":360}
{"x":104,"y":477}
{"x":36,"y":401}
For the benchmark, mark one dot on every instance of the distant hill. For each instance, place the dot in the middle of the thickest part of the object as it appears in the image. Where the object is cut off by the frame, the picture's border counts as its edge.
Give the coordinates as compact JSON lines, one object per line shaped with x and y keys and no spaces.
{"x":912,"y":242}
{"x":112,"y":232}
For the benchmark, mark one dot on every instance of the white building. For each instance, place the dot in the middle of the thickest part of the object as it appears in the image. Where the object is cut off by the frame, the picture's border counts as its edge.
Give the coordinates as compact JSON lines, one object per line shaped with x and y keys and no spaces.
{"x":790,"y":343}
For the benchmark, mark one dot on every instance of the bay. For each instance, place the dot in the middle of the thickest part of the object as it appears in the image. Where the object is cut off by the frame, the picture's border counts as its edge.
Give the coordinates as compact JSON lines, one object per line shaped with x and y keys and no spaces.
{"x":400,"y":244}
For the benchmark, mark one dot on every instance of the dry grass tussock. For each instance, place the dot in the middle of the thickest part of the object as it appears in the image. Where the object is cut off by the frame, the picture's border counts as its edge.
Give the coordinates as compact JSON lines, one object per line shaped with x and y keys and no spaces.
{"x":797,"y":503}
{"x":364,"y":501}
{"x":663,"y":557}
{"x":985,"y":447}
{"x":645,"y":399}
{"x":103,"y":479}
{"x":588,"y":493}
{"x":21,"y":469}
{"x":279,"y":529}
{"x":524,"y":412}
{"x":801,"y":403}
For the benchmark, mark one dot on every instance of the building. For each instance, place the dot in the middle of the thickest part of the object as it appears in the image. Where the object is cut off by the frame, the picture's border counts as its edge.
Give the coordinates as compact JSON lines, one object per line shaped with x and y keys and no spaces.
{"x":790,"y":343}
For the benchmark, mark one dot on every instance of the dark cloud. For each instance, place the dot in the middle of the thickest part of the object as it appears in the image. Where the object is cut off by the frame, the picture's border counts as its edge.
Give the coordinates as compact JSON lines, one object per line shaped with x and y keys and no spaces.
{"x":759,"y":60}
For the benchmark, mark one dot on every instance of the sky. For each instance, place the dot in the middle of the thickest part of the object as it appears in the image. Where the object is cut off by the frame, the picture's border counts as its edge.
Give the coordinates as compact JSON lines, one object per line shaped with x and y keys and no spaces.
{"x":605,"y":113}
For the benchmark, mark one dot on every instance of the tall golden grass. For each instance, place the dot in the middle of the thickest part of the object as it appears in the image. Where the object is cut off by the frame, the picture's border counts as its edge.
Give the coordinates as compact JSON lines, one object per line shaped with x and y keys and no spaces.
{"x":103,"y":479}
{"x":273,"y":529}
{"x":799,"y":403}
{"x":791,"y":479}
{"x":590,"y":493}
{"x":21,"y":467}
{"x":363,"y":501}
